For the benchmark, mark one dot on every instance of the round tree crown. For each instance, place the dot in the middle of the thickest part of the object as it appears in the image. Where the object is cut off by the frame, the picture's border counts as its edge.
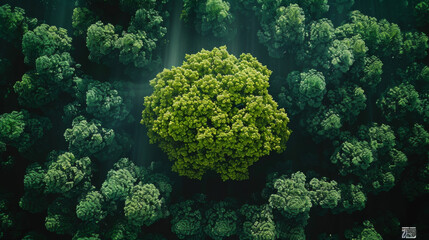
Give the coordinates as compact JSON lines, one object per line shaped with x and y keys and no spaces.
{"x":215,"y":113}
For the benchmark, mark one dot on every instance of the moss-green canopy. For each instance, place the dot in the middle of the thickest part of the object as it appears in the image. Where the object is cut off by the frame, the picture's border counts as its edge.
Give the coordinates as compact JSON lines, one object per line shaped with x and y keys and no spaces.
{"x":214,"y":113}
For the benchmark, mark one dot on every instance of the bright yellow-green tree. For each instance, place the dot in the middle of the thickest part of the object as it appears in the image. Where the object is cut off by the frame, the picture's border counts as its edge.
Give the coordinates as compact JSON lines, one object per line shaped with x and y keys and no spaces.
{"x":215,"y":113}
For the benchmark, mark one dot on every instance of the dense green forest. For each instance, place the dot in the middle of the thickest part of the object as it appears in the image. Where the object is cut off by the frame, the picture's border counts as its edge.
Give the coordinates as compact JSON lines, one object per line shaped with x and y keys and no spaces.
{"x":214,"y":119}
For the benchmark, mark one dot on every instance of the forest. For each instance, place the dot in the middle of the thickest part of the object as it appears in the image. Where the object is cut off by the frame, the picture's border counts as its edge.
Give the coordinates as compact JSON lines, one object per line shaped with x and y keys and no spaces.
{"x":214,"y":119}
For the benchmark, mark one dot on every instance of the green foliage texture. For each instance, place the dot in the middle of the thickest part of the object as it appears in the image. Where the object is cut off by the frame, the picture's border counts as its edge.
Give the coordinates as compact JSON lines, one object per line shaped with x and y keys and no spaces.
{"x":214,"y":113}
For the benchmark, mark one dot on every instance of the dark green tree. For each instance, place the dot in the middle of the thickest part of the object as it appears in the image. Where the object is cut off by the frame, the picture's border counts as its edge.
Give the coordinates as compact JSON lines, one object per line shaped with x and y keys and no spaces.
{"x":44,"y":40}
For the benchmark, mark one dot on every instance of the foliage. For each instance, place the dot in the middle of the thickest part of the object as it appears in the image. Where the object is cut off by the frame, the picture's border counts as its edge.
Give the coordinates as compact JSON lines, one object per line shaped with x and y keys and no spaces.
{"x":134,"y":5}
{"x":21,"y":129}
{"x":89,"y":138}
{"x":305,"y":89}
{"x":52,"y":76}
{"x":285,"y":32}
{"x":66,"y":172}
{"x":212,"y":17}
{"x":118,"y":184}
{"x":414,"y":46}
{"x":324,"y":193}
{"x":221,"y":109}
{"x":399,"y":101}
{"x":342,"y":6}
{"x":381,"y":37}
{"x":325,"y":123}
{"x":135,"y":48}
{"x":315,"y":53}
{"x":381,"y":138}
{"x":356,"y":84}
{"x":145,"y":205}
{"x":109,"y":102}
{"x":44,"y":40}
{"x":366,"y":231}
{"x":6,"y":220}
{"x":347,"y":101}
{"x":370,"y":75}
{"x":187,"y":220}
{"x":416,"y":182}
{"x":353,"y":156}
{"x":81,"y":20}
{"x":421,"y":11}
{"x":352,"y":198}
{"x":61,"y":216}
{"x":258,"y":223}
{"x":292,"y":198}
{"x":100,"y":40}
{"x":90,"y":208}
{"x":413,"y":140}
{"x":14,"y":24}
{"x":221,"y":221}
{"x":136,"y":43}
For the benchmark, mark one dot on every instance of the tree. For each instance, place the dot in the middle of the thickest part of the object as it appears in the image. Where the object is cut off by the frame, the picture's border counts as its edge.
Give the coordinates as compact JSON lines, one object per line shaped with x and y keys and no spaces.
{"x":342,"y":6}
{"x":380,"y":137}
{"x":291,"y":198}
{"x":323,"y":124}
{"x":82,"y":18}
{"x":382,"y":38}
{"x":6,"y":218}
{"x":285,"y":32}
{"x":399,"y":101}
{"x":365,"y":231}
{"x":150,"y":22}
{"x":61,"y":217}
{"x":315,"y":53}
{"x":258,"y":223}
{"x":136,"y":44}
{"x":187,"y":220}
{"x":212,"y":113}
{"x":21,"y":129}
{"x":290,"y":230}
{"x":353,"y":156}
{"x":414,"y":46}
{"x":421,"y":11}
{"x":413,"y":140}
{"x":88,"y":138}
{"x":118,"y":184}
{"x":133,"y":5}
{"x":415,"y":182}
{"x":34,"y":200}
{"x":348,"y":101}
{"x":122,"y":230}
{"x":108,"y":102}
{"x":100,"y":40}
{"x":53,"y":75}
{"x":369,"y":76}
{"x":14,"y":23}
{"x":385,"y":172}
{"x":44,"y":40}
{"x":324,"y":193}
{"x":145,"y":205}
{"x":305,"y":89}
{"x":314,"y":9}
{"x":135,"y":48}
{"x":352,"y":198}
{"x":66,"y":172}
{"x":90,"y":207}
{"x":341,"y":57}
{"x":212,"y":17}
{"x":221,"y":221}
{"x":416,"y":74}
